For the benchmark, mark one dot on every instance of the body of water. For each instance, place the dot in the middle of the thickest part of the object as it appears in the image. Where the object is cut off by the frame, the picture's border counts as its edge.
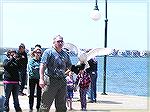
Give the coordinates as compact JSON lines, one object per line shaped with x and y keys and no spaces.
{"x":123,"y":75}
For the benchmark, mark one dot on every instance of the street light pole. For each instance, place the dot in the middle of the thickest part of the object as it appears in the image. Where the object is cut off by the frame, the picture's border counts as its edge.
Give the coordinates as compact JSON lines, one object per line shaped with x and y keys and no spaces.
{"x":105,"y":45}
{"x":95,"y":15}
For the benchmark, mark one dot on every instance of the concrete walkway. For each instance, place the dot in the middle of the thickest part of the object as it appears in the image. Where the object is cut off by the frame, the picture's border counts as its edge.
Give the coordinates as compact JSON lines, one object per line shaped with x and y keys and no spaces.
{"x":111,"y":102}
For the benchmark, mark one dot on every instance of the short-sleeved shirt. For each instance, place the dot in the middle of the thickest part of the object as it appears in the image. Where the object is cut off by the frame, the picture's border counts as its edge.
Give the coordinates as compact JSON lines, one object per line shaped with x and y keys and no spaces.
{"x":70,"y":83}
{"x":56,"y":62}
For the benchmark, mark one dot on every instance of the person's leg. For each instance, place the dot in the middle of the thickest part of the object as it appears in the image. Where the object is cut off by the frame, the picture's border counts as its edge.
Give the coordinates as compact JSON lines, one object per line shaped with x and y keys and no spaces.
{"x":23,"y":75}
{"x":92,"y":87}
{"x":60,"y":98}
{"x":95,"y":87}
{"x":7,"y":92}
{"x":84,"y":91}
{"x":71,"y":96}
{"x":67,"y":99}
{"x":48,"y":95}
{"x":71,"y":104}
{"x":31,"y":89}
{"x":2,"y":99}
{"x":89,"y":93}
{"x":15,"y":92}
{"x":81,"y":98}
{"x":39,"y":91}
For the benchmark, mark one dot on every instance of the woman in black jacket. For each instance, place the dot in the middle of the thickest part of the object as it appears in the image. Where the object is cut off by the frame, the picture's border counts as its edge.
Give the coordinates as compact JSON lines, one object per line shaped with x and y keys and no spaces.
{"x":11,"y":80}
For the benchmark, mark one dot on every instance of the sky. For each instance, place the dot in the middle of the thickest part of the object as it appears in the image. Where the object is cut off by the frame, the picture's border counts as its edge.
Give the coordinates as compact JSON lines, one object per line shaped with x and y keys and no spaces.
{"x":38,"y":22}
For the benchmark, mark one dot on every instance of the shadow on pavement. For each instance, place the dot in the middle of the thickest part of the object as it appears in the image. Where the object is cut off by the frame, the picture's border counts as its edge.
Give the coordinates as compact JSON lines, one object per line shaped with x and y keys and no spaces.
{"x":109,"y":102}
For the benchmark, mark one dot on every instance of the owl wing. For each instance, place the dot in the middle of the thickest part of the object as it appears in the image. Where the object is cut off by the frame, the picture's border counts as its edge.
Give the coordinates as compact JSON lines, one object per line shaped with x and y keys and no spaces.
{"x":71,"y":48}
{"x":98,"y":52}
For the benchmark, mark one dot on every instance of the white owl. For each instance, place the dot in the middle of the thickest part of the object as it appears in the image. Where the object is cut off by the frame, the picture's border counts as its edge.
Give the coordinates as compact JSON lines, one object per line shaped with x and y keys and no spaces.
{"x":85,"y":56}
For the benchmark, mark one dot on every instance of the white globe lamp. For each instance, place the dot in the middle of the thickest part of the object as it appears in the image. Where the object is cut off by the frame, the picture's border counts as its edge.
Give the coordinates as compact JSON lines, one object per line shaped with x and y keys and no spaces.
{"x":95,"y":15}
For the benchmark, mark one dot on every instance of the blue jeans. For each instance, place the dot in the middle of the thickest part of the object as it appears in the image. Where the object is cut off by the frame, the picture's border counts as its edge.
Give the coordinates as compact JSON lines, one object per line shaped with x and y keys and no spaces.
{"x":83,"y":97}
{"x":93,"y":88}
{"x":2,"y":99}
{"x":14,"y":89}
{"x":23,"y":79}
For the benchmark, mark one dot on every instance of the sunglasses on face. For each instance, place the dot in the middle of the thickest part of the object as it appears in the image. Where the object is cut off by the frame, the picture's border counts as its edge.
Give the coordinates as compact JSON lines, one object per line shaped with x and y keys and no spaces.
{"x":38,"y":52}
{"x":60,"y":41}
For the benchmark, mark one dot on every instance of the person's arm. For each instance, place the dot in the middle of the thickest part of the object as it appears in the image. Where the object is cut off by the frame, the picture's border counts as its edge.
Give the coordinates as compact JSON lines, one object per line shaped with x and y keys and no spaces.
{"x":41,"y":71}
{"x":31,"y":67}
{"x":67,"y":71}
{"x":43,"y":65}
{"x":26,"y":58}
{"x":76,"y":82}
{"x":7,"y":63}
{"x":68,"y":64}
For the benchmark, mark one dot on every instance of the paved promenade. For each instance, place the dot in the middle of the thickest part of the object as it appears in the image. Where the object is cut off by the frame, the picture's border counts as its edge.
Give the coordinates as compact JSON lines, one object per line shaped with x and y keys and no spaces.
{"x":111,"y":102}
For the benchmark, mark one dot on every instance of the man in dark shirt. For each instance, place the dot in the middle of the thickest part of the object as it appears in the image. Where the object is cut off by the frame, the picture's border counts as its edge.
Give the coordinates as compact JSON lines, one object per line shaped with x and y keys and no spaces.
{"x":56,"y":61}
{"x":92,"y":70}
{"x":23,"y":59}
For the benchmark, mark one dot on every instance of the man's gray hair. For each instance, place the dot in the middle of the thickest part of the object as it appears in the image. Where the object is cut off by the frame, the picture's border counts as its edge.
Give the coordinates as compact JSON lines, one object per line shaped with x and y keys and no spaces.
{"x":57,"y":36}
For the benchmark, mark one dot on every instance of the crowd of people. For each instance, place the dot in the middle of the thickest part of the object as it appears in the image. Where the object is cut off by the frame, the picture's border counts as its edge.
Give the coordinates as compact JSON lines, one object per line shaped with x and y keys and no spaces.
{"x":50,"y":76}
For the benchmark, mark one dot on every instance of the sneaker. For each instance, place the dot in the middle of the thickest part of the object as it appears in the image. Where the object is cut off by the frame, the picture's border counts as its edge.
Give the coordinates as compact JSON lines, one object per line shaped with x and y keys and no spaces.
{"x":83,"y":109}
{"x":6,"y":109}
{"x":31,"y":110}
{"x":37,"y":110}
{"x":71,"y":109}
{"x":78,"y":100}
{"x":95,"y":101}
{"x":26,"y":87}
{"x":22,"y":94}
{"x":18,"y":109}
{"x":90,"y":101}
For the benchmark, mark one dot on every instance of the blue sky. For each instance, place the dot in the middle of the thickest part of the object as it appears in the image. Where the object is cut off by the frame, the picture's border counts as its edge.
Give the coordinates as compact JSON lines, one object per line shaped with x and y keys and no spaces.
{"x":38,"y":22}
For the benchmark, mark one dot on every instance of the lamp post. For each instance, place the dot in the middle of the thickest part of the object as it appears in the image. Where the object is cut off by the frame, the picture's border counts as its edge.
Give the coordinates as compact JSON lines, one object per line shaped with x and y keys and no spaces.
{"x":105,"y":45}
{"x":95,"y":14}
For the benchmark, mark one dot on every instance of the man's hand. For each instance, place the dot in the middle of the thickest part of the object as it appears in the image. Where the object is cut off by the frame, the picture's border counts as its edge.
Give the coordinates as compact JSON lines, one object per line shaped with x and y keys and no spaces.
{"x":41,"y":83}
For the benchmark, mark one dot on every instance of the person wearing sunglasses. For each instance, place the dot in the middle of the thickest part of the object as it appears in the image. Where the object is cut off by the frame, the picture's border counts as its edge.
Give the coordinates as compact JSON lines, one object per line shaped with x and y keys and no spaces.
{"x":34,"y":77}
{"x":56,"y":61}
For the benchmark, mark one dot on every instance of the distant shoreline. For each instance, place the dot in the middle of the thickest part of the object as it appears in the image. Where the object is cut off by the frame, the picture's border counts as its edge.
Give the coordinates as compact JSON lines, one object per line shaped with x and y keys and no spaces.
{"x":115,"y":52}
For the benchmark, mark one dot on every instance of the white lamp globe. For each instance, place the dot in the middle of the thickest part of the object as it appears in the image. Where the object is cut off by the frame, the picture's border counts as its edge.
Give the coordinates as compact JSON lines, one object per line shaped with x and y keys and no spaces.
{"x":95,"y":15}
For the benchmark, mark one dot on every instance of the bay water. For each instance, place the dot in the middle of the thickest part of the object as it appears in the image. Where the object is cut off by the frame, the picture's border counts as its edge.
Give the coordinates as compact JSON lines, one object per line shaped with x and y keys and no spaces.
{"x":124,"y":75}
